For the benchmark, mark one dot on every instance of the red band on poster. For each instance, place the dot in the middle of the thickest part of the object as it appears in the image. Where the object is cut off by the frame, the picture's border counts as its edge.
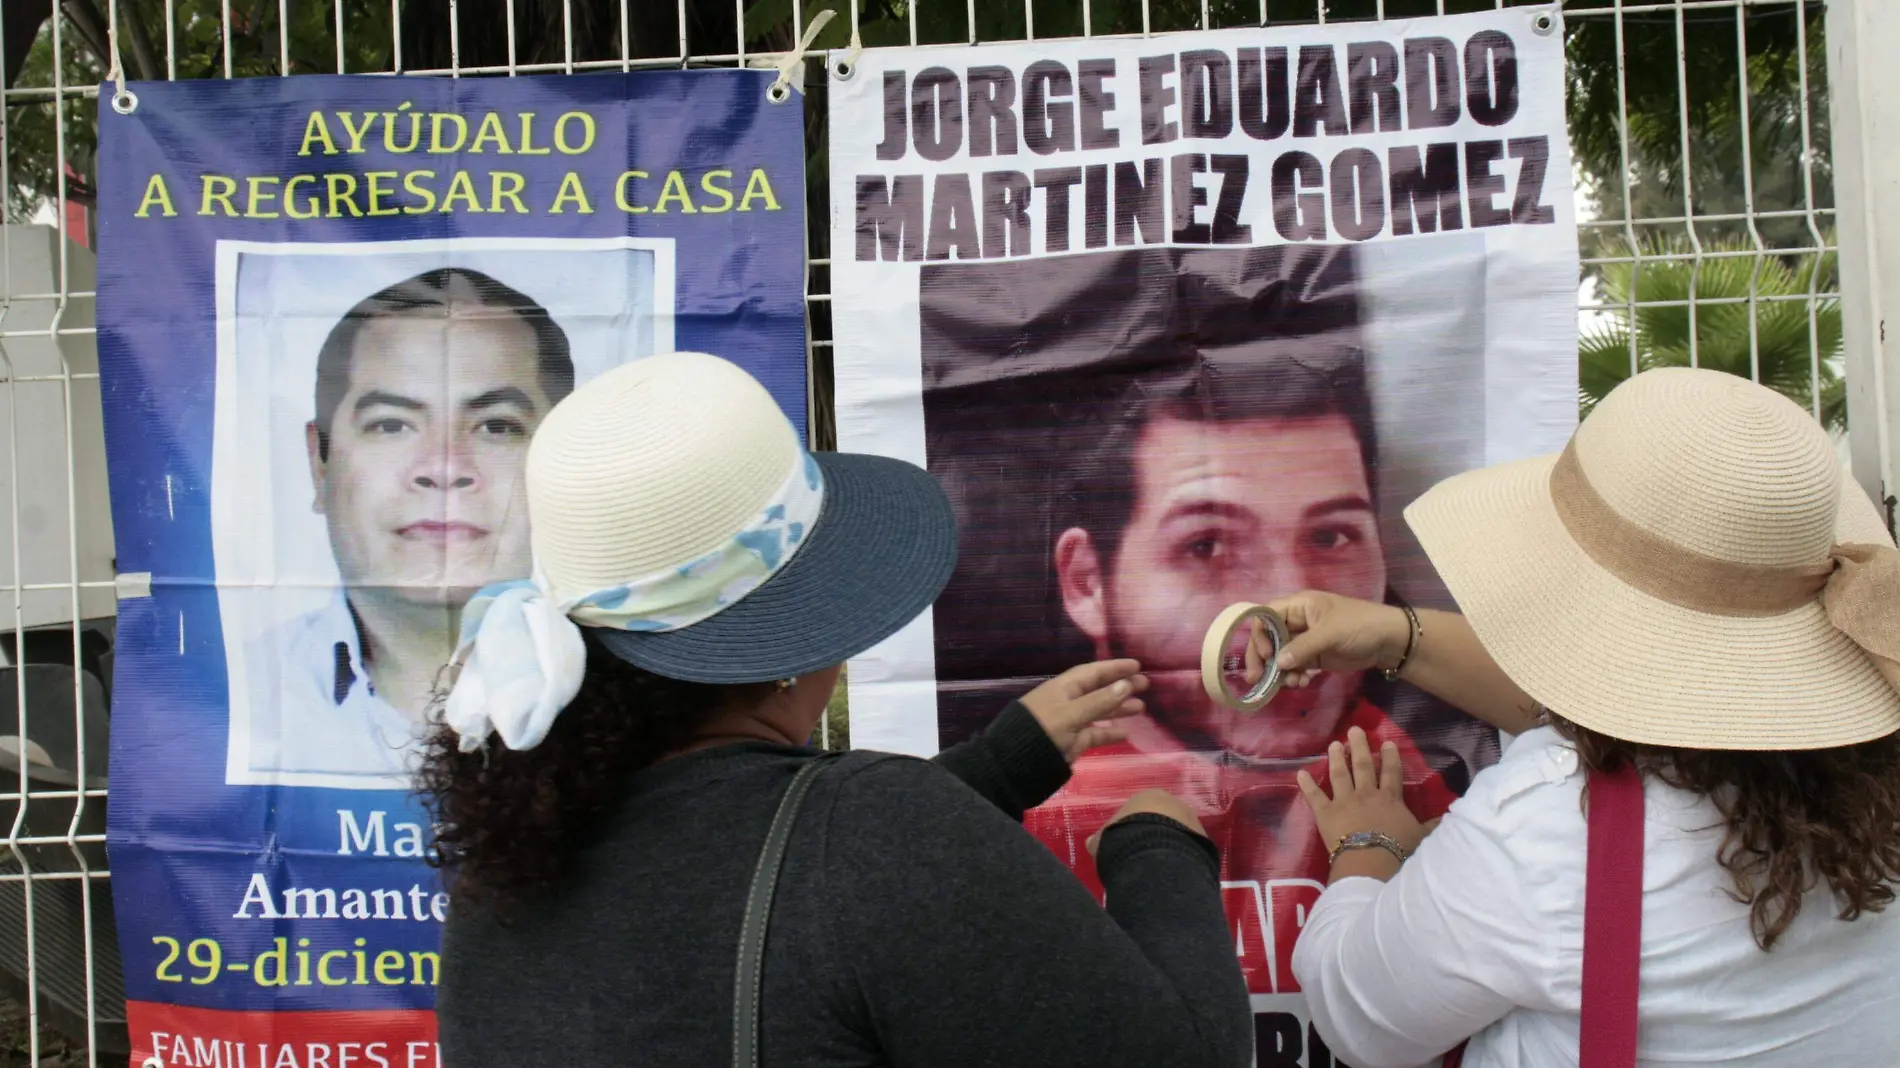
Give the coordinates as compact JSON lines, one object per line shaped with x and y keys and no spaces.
{"x":175,"y":1036}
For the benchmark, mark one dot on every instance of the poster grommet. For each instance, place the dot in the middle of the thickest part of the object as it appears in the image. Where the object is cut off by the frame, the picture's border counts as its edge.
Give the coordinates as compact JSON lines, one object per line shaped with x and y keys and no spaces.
{"x":125,"y":101}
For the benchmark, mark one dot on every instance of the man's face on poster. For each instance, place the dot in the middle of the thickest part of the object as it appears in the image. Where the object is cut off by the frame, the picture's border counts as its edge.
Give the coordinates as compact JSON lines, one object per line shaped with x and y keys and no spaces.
{"x":422,"y":486}
{"x":1227,"y":511}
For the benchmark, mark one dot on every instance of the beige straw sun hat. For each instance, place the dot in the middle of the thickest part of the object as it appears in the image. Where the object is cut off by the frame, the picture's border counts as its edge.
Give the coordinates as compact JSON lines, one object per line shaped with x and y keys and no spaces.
{"x":1693,"y":571}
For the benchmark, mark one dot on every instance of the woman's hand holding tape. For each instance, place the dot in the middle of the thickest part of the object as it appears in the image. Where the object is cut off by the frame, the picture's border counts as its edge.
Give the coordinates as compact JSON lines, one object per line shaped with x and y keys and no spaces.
{"x":1329,"y":633}
{"x":1334,"y":633}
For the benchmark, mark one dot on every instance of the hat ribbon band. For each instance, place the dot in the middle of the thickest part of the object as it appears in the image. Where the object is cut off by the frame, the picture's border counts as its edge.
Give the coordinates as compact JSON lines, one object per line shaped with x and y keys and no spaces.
{"x":1858,"y":584}
{"x":520,"y":658}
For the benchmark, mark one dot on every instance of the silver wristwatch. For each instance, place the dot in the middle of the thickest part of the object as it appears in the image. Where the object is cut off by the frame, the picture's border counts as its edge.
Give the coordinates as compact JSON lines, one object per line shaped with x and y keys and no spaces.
{"x":1368,"y":840}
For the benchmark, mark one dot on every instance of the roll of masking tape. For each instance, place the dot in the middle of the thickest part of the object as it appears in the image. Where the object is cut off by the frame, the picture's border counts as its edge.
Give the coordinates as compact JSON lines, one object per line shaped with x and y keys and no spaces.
{"x":1214,"y":656}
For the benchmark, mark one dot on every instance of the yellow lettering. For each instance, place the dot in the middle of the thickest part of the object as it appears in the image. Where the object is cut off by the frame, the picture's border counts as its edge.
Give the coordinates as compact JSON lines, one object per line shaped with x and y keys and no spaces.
{"x":675,"y":190}
{"x":433,"y":964}
{"x":218,"y":188}
{"x":312,"y":207}
{"x":386,"y":961}
{"x":571,"y":190}
{"x":491,"y":131}
{"x":314,"y":130}
{"x":587,"y":128}
{"x":156,"y":195}
{"x":620,"y":192}
{"x":506,"y":185}
{"x":435,"y":132}
{"x":460,"y":188}
{"x":413,"y":183}
{"x":761,"y":187}
{"x":259,"y":197}
{"x":389,"y":128}
{"x":342,"y":191}
{"x":723,"y":192}
{"x":527,"y":137}
{"x":376,"y":190}
{"x":356,"y":135}
{"x":323,"y":968}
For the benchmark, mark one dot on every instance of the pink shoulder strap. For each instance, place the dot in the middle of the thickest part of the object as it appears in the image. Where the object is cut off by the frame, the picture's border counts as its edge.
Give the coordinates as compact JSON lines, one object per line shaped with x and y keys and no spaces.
{"x":1612,"y":919}
{"x":1612,"y":922}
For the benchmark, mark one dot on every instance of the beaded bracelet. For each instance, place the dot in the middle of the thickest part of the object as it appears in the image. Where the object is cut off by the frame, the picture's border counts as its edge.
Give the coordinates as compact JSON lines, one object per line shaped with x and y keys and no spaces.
{"x":1411,"y":643}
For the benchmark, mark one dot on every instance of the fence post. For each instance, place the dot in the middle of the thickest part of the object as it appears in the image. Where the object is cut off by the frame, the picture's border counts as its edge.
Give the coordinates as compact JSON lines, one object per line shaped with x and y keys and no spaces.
{"x":1863,"y":37}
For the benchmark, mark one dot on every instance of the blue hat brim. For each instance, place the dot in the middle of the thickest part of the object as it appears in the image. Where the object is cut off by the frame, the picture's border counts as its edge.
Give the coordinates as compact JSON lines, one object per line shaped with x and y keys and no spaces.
{"x":881,"y":551}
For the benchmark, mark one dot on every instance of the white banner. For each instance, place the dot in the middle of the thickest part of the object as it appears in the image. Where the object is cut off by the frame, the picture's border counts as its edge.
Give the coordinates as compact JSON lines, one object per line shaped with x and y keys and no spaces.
{"x":1187,"y":320}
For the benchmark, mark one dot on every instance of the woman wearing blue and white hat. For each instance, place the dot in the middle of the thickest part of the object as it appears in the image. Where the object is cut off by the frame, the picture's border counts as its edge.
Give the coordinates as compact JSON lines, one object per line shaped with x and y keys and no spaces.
{"x":648,"y":866}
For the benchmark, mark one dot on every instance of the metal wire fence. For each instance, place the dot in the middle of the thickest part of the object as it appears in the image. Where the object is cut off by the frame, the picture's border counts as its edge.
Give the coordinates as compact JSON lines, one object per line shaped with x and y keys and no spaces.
{"x":1706,"y":185}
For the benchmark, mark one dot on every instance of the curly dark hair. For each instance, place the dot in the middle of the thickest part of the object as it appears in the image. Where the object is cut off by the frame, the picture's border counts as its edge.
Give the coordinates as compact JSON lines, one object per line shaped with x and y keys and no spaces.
{"x":1791,"y":818}
{"x":508,"y":823}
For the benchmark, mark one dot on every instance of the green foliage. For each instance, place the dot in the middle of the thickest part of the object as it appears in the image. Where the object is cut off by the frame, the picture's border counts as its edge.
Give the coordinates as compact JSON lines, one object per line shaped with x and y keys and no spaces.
{"x":1707,"y":300}
{"x":258,"y":50}
{"x":838,"y":716}
{"x":32,"y":146}
{"x":1700,"y":115}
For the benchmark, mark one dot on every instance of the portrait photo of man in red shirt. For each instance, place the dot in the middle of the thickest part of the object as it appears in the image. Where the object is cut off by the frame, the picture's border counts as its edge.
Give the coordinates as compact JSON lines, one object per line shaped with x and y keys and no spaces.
{"x":1198,"y":429}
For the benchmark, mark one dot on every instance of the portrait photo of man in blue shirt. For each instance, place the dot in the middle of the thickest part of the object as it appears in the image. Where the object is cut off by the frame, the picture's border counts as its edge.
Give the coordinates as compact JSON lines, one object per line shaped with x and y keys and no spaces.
{"x":427,"y":393}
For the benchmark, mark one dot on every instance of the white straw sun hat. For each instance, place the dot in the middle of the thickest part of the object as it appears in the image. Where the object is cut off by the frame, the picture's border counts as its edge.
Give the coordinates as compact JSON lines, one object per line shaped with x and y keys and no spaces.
{"x":1693,"y":571}
{"x":673,"y":510}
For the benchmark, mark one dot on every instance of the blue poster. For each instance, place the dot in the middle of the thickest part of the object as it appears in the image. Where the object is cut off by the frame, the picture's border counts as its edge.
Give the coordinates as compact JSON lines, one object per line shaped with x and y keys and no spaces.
{"x":332,"y":312}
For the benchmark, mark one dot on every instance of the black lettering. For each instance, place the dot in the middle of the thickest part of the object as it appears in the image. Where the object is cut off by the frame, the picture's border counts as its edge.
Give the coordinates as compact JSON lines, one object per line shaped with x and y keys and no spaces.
{"x":1156,"y":99}
{"x":1207,"y":94}
{"x":1435,"y":181}
{"x":1006,"y":214}
{"x":936,"y":114}
{"x":1528,"y":206}
{"x":1276,"y":1035}
{"x":1185,"y":197}
{"x":1318,"y":105}
{"x":1491,"y":77}
{"x":1048,"y":124}
{"x":1297,"y":215}
{"x":1358,"y":195}
{"x":896,"y":133}
{"x":1264,"y":71}
{"x":1095,"y":206}
{"x":1228,"y":229}
{"x":1373,"y":73}
{"x":1482,"y":184}
{"x":1431,"y":83}
{"x":1138,"y":202}
{"x":1096,"y":102}
{"x":890,"y":217}
{"x":953,"y":225}
{"x":1055,"y":185}
{"x":992,"y":111}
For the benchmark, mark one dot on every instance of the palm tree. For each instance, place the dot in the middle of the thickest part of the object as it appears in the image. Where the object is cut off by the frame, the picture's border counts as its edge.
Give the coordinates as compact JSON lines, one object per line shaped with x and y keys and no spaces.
{"x":1751,"y":313}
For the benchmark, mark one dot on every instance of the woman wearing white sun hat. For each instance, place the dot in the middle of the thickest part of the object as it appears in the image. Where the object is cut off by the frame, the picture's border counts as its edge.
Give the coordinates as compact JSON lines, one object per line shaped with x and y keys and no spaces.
{"x":647,"y":866}
{"x":1692,"y":611}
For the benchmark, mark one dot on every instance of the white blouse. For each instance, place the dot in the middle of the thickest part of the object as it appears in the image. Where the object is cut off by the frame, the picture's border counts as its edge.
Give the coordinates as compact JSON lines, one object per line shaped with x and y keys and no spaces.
{"x":1481,"y":935}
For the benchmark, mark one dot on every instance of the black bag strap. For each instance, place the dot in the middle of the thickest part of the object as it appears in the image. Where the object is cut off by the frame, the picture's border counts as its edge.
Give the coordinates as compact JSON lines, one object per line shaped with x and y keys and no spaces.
{"x":758,"y":914}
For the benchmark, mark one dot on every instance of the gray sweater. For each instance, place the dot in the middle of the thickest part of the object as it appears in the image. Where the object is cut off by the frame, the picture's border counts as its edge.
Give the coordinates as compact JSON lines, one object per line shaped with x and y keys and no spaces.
{"x":917,"y":925}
